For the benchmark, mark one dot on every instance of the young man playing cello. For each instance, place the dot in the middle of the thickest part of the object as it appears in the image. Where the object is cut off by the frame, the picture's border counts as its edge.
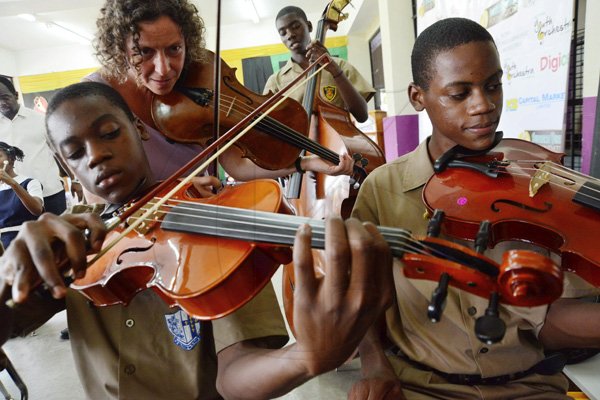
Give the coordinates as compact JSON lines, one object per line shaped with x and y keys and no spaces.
{"x":128,"y":352}
{"x":458,"y":82}
{"x":341,"y":84}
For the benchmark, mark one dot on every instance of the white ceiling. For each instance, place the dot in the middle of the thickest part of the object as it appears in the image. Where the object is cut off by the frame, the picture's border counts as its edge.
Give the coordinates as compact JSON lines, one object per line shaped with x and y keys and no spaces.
{"x":79,"y":16}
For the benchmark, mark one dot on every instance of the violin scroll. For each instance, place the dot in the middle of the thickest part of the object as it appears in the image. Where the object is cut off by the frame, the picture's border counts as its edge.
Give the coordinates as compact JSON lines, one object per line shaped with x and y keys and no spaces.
{"x":529,"y":279}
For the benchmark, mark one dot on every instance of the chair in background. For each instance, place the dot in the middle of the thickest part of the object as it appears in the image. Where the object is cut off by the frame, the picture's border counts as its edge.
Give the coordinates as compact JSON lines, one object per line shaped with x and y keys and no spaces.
{"x":5,"y":364}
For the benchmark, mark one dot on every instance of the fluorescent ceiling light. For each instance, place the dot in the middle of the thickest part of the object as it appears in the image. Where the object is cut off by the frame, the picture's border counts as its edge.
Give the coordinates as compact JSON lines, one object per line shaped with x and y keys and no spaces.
{"x":27,"y":17}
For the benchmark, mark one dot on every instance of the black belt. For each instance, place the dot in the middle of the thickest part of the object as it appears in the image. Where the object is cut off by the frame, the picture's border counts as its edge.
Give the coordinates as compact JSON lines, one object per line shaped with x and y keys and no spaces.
{"x":550,"y":365}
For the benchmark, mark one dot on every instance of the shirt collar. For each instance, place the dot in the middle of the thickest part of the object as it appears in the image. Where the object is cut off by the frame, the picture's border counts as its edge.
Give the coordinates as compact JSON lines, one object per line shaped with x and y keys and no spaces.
{"x":19,"y":113}
{"x":418,"y":167}
{"x":289,"y":66}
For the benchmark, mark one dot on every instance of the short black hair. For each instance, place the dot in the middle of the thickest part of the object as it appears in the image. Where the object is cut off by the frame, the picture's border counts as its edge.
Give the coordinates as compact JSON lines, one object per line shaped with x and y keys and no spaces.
{"x":12,"y":152}
{"x":291,"y":10}
{"x":443,"y":35}
{"x":9,"y":85}
{"x":87,"y":89}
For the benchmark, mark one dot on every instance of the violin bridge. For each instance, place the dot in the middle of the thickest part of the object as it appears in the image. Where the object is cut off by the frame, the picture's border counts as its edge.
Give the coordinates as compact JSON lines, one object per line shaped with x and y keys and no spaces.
{"x":149,"y":221}
{"x":540,"y":178}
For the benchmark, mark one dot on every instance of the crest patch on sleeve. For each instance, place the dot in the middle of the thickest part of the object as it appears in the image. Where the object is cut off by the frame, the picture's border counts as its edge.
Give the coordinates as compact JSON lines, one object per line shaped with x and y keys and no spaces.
{"x":329,"y":92}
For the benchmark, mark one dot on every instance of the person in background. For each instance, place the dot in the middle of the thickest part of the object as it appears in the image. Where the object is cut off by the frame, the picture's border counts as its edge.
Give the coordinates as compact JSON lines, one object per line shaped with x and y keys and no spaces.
{"x":341,"y":84}
{"x":457,"y":80}
{"x":24,"y":128}
{"x":20,"y":197}
{"x":145,"y":48}
{"x":136,"y":351}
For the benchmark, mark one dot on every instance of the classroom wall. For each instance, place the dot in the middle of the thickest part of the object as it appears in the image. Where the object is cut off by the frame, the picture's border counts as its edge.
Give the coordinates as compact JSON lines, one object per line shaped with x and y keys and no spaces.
{"x":8,"y":64}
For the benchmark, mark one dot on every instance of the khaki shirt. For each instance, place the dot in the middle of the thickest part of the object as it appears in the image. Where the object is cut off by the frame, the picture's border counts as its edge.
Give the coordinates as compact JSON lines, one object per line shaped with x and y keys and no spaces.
{"x":328,"y":88}
{"x":147,"y":350}
{"x":392,"y":196}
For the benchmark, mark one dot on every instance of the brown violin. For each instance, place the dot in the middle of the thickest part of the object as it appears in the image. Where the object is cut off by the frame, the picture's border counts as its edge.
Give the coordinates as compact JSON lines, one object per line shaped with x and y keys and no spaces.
{"x":186,"y":115}
{"x":526,"y":194}
{"x":210,"y":256}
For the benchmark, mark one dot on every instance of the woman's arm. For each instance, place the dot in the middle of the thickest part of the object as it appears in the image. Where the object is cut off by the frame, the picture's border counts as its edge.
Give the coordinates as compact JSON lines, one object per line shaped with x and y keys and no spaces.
{"x":243,"y":169}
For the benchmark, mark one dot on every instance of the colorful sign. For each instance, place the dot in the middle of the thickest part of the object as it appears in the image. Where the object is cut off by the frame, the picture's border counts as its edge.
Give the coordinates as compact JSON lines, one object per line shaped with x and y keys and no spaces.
{"x":534,"y":41}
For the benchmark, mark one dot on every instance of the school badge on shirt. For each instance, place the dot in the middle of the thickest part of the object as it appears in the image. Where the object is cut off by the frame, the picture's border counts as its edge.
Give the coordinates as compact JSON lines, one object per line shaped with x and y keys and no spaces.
{"x":185,"y":329}
{"x":329,"y":92}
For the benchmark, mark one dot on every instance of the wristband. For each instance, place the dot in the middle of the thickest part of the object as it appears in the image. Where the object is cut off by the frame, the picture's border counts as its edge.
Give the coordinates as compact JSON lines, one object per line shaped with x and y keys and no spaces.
{"x":298,"y":165}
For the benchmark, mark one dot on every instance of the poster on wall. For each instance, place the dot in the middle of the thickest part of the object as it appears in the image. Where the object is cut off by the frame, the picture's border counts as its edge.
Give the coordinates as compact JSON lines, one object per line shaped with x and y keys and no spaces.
{"x":534,"y":41}
{"x":38,"y":101}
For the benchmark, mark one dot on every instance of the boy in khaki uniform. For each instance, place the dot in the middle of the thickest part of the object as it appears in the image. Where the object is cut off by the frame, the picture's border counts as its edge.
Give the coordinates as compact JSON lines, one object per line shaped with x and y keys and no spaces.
{"x":457,"y":81}
{"x":341,"y":84}
{"x":147,"y":350}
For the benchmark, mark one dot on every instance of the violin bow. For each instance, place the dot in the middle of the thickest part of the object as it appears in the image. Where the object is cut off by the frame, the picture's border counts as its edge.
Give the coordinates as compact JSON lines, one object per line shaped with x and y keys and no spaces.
{"x":219,"y":146}
{"x":217,"y":85}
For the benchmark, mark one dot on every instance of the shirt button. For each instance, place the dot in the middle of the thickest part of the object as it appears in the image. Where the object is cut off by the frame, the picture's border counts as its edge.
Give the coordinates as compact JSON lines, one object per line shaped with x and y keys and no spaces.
{"x":472,"y":311}
{"x":130,"y":369}
{"x":129,"y":323}
{"x":484,"y":350}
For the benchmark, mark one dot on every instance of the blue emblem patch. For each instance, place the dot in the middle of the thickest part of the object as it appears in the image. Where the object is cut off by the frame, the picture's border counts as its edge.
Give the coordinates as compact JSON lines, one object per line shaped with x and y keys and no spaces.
{"x":185,"y":329}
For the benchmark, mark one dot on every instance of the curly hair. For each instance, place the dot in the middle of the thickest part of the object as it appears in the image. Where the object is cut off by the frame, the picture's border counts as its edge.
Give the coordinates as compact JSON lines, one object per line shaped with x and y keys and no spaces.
{"x":12,"y":152}
{"x":119,"y":20}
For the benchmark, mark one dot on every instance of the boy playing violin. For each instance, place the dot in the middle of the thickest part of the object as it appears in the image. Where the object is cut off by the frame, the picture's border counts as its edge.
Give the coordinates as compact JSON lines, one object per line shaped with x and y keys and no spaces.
{"x":457,"y":81}
{"x":130,"y":352}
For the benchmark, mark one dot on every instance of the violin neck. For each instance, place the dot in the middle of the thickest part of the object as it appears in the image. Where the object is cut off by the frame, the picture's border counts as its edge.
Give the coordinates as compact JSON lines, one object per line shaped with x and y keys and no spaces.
{"x":259,"y":226}
{"x":277,"y":129}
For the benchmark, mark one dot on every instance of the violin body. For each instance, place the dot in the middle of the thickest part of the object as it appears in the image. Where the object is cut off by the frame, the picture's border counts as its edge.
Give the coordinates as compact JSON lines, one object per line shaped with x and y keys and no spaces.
{"x":208,"y":277}
{"x":551,"y":217}
{"x":189,"y":118}
{"x":210,"y":257}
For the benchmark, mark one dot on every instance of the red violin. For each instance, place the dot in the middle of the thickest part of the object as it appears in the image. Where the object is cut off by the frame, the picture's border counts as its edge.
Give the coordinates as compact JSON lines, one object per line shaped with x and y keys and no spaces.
{"x":525,"y":193}
{"x":210,"y":256}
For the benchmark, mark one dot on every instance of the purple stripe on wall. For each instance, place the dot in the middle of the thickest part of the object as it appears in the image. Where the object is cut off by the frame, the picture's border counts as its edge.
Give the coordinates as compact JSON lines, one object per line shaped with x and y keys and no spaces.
{"x":400,"y":135}
{"x":588,"y":119}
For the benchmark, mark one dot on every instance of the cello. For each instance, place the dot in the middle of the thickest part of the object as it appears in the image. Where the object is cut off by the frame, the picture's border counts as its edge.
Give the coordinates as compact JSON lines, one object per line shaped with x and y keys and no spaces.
{"x":317,"y":195}
{"x":526,"y":194}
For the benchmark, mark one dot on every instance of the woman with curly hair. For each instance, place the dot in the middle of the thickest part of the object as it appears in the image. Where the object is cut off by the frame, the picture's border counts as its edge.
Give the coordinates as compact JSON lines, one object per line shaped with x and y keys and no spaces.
{"x":21,"y":198}
{"x":145,"y":48}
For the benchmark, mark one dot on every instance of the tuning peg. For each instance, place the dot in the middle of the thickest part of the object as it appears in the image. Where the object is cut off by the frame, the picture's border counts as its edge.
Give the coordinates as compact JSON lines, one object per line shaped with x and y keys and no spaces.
{"x":364,"y":162}
{"x":438,"y":299}
{"x":357,"y":157}
{"x":435,"y":223}
{"x":489,"y":328}
{"x":483,"y":237}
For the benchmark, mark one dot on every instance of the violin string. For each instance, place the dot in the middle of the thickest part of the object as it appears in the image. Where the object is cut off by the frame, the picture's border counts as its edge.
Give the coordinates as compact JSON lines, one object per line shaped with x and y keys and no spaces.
{"x":555,"y":184}
{"x":260,"y":222}
{"x":399,"y":242}
{"x":286,"y":133}
{"x":185,"y":180}
{"x":557,"y":166}
{"x":556,"y":176}
{"x":280,"y":130}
